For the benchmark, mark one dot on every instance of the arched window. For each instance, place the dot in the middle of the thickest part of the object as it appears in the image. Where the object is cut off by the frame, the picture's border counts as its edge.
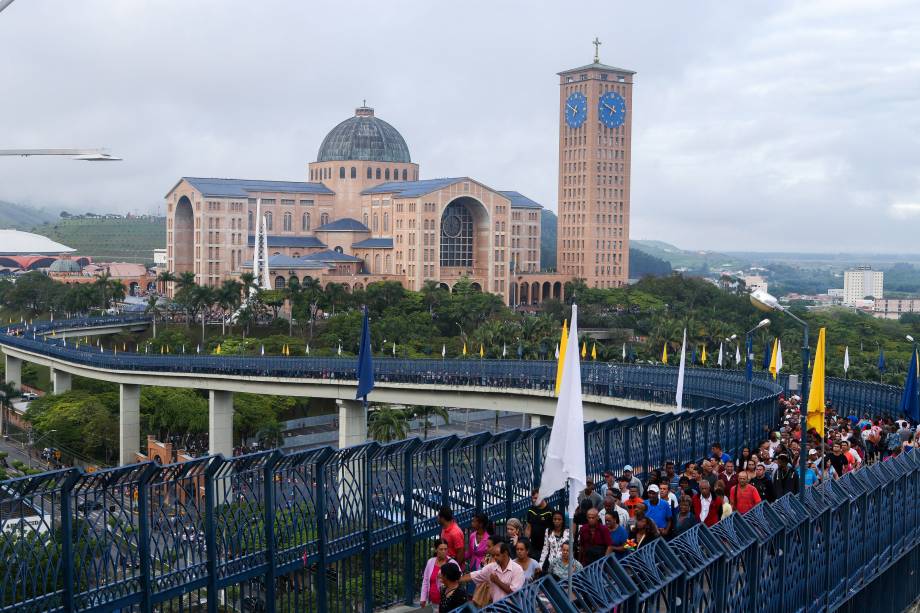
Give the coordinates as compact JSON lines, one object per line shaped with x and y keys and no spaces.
{"x":387,"y":268}
{"x":324,"y":219}
{"x":279,"y":282}
{"x":250,"y":221}
{"x":365,"y":220}
{"x":377,"y":263}
{"x":405,"y":174}
{"x":457,"y":235}
{"x":305,"y":222}
{"x":378,"y":173}
{"x":288,"y":222}
{"x":386,"y":222}
{"x":370,"y":173}
{"x":354,"y":172}
{"x":341,"y":172}
{"x":268,"y":221}
{"x":386,"y":174}
{"x":376,"y":219}
{"x":339,"y":250}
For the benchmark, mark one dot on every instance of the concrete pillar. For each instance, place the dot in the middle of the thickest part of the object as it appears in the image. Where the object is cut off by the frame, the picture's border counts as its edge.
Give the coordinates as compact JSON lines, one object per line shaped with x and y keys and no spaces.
{"x":352,"y":423}
{"x":14,"y":371}
{"x":129,"y":423}
{"x":60,"y":381}
{"x":541,"y":420}
{"x":220,"y":423}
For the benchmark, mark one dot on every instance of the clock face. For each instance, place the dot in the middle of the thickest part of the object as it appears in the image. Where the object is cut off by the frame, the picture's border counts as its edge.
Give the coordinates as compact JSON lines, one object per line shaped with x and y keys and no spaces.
{"x":576,"y":109}
{"x":611,"y":110}
{"x":451,"y":226}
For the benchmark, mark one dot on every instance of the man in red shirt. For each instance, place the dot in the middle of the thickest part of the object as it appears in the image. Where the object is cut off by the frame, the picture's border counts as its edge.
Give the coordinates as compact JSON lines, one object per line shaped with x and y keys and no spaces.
{"x":594,"y":539}
{"x":451,"y":533}
{"x":706,"y":505}
{"x":729,"y":476}
{"x":744,"y":496}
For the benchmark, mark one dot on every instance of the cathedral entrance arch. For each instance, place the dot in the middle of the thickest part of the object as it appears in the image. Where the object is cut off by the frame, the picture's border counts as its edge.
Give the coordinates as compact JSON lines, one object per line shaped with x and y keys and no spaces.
{"x":184,"y":237}
{"x":464,"y":233}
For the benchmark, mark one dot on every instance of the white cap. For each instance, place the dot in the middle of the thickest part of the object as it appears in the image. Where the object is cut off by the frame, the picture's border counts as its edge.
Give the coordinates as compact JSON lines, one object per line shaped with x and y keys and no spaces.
{"x":627,"y":467}
{"x":653,"y":488}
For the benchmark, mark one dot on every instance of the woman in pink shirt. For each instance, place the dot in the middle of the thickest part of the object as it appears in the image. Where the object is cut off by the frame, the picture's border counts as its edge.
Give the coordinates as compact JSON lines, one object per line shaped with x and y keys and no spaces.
{"x":479,"y":541}
{"x":431,"y":592}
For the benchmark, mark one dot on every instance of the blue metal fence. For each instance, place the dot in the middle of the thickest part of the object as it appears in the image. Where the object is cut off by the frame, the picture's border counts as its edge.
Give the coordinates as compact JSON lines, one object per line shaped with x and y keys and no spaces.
{"x":350,"y":529}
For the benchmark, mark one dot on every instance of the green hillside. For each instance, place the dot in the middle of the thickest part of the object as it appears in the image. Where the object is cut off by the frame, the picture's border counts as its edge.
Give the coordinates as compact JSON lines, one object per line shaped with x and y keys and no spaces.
{"x":21,"y":217}
{"x":109,"y":240}
{"x":696,"y":261}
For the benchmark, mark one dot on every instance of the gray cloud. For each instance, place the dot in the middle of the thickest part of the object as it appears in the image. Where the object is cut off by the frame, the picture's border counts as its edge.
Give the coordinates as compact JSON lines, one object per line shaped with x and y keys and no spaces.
{"x":784,"y":126}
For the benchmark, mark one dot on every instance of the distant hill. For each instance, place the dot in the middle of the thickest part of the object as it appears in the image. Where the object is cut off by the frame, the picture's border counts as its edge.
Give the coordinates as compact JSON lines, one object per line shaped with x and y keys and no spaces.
{"x":641,"y":264}
{"x":547,"y":240}
{"x":109,"y":240}
{"x":697,"y":261}
{"x":22,"y":217}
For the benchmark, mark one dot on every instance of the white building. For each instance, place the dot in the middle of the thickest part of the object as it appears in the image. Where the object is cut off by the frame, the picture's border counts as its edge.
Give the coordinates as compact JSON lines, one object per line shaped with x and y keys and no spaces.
{"x":862,"y":282}
{"x":756,"y":282}
{"x":893,"y":308}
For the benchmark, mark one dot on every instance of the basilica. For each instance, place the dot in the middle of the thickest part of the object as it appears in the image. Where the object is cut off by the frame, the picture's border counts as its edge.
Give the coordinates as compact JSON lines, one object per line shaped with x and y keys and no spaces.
{"x":364,"y":215}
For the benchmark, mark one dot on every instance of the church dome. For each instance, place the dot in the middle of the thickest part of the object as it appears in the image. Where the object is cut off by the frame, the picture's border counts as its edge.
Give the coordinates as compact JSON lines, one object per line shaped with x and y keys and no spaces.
{"x":65,"y":266}
{"x":364,"y":138}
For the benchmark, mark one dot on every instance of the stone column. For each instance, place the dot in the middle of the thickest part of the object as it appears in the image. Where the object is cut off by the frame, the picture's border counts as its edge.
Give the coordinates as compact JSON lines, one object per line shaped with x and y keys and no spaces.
{"x":129,"y":423}
{"x":14,"y":371}
{"x":541,"y":420}
{"x":60,"y":381}
{"x":352,"y":423}
{"x":220,"y":423}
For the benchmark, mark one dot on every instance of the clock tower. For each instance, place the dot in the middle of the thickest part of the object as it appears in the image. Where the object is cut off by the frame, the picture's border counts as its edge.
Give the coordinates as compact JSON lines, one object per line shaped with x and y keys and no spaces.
{"x":595,"y":153}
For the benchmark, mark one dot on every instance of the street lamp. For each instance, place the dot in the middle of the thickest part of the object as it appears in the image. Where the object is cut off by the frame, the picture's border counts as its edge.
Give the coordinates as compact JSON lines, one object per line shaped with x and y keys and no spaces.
{"x":85,"y":155}
{"x":766,"y":302}
{"x":749,"y":347}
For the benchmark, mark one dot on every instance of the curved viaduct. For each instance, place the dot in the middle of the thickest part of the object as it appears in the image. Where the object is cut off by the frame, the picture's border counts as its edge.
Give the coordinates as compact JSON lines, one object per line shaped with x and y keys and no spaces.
{"x":611,"y":391}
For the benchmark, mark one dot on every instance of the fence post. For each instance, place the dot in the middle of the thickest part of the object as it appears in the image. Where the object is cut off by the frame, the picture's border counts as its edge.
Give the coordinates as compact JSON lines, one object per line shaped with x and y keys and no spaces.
{"x":509,"y":476}
{"x":143,"y":542}
{"x":478,"y":471}
{"x":67,"y":545}
{"x":210,"y":534}
{"x":268,"y":512}
{"x":368,"y":522}
{"x":408,"y":547}
{"x":322,"y":603}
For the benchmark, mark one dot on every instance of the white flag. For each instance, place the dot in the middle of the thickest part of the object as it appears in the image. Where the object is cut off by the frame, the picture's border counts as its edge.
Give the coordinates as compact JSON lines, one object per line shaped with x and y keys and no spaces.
{"x":557,"y":351}
{"x":307,"y":349}
{"x":340,"y":348}
{"x":846,"y":359}
{"x":565,"y":453}
{"x":394,"y":349}
{"x":443,"y":350}
{"x":720,"y":355}
{"x":504,"y":349}
{"x":680,"y":374}
{"x":624,"y":352}
{"x":198,"y":348}
{"x":779,"y":355}
{"x":737,"y":355}
{"x":262,"y":351}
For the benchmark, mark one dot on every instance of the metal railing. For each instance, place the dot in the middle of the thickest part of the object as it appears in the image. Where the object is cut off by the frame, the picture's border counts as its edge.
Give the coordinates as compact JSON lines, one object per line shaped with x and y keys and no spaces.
{"x":350,"y":529}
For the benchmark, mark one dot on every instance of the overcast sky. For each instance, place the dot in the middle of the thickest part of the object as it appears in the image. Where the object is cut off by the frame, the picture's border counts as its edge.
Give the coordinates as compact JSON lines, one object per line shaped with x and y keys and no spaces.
{"x":781,"y":126}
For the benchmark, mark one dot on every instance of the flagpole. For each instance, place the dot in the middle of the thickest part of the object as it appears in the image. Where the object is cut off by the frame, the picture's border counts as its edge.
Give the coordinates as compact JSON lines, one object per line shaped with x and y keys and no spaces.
{"x":571,"y":543}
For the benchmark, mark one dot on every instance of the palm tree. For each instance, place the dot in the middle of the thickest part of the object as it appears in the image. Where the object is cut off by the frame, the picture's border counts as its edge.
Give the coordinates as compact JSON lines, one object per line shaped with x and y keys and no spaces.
{"x":153,"y":307}
{"x":248,"y":280}
{"x":185,"y":294}
{"x":228,"y":297}
{"x":426,"y":413}
{"x":165,"y":278}
{"x":335,"y":294}
{"x":202,"y":299}
{"x":102,"y":284}
{"x":388,"y":424}
{"x":294,"y":293}
{"x":432,"y":294}
{"x":7,"y":392}
{"x":313,"y":291}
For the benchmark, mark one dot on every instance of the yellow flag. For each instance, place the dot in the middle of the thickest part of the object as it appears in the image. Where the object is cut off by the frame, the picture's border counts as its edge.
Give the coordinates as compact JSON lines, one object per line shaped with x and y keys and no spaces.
{"x":773,"y":358}
{"x":593,"y":351}
{"x":703,"y":356}
{"x":816,"y":391}
{"x":584,"y":349}
{"x":464,"y":347}
{"x":664,"y":354}
{"x":482,"y":352}
{"x":217,"y":351}
{"x":562,"y":345}
{"x":162,"y":349}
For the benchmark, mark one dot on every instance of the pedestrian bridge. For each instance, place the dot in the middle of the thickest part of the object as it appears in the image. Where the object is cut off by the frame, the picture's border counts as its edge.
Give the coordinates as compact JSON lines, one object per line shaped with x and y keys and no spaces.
{"x":611,"y":391}
{"x":350,"y":529}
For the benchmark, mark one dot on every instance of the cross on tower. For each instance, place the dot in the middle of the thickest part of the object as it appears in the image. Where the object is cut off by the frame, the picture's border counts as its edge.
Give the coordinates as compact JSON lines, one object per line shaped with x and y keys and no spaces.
{"x":597,"y":44}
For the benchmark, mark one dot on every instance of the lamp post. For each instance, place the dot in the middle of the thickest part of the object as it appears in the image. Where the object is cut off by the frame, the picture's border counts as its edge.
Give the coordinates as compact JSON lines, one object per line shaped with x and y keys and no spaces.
{"x":749,"y":347}
{"x":766,"y":302}
{"x":728,"y":341}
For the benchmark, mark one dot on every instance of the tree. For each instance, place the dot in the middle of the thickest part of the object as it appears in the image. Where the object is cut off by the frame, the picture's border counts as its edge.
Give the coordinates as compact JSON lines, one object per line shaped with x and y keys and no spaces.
{"x":426,"y":413}
{"x":8,"y":391}
{"x":228,"y":297}
{"x":388,"y":424}
{"x":165,"y":278}
{"x":334,"y":294}
{"x":153,"y":307}
{"x":203,"y":298}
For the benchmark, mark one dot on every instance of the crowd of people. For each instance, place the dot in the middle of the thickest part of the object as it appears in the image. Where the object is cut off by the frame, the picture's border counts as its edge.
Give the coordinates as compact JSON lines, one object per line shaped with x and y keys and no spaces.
{"x":624,"y":513}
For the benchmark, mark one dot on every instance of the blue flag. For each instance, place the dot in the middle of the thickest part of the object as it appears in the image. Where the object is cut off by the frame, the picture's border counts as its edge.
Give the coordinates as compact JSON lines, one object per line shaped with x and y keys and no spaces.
{"x":365,"y":363}
{"x":693,"y":357}
{"x":910,"y":406}
{"x":767,"y":354}
{"x":749,"y":362}
{"x":881,"y":361}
